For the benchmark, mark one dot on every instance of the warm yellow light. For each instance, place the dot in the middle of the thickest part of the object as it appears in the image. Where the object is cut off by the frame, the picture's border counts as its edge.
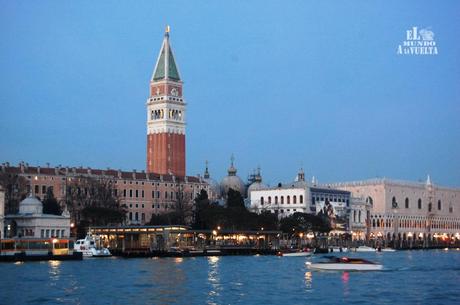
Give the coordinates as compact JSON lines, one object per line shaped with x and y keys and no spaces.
{"x":218,"y":227}
{"x":55,"y":240}
{"x":72,"y":225}
{"x":300,"y":235}
{"x":310,"y":235}
{"x":214,"y":232}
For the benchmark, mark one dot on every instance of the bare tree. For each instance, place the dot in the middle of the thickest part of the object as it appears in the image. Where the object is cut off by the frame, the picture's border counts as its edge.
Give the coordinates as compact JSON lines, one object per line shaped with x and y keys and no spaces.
{"x":16,"y":189}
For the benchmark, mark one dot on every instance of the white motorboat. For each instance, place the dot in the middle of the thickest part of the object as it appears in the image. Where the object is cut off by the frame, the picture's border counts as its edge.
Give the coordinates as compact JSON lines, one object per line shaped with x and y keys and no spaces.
{"x":91,"y":247}
{"x":385,"y":250}
{"x":365,"y":249}
{"x":345,"y":264}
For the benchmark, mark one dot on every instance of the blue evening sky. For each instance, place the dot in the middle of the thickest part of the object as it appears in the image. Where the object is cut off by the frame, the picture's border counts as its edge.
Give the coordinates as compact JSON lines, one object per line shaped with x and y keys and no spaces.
{"x":281,"y":84}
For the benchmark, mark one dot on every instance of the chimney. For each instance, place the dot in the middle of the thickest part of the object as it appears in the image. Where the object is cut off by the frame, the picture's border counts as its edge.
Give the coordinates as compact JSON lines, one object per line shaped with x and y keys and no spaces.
{"x":119,"y":173}
{"x":21,"y":166}
{"x":38,"y":169}
{"x":134,"y":174}
{"x":89,"y":170}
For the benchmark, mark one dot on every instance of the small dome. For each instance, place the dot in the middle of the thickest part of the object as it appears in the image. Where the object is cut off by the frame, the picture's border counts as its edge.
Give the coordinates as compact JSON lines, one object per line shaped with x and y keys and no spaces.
{"x":31,"y":205}
{"x":232,"y":181}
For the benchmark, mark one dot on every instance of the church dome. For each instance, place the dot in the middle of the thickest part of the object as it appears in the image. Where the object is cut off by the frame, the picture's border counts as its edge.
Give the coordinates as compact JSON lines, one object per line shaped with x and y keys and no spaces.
{"x":232,"y":181}
{"x":31,"y":205}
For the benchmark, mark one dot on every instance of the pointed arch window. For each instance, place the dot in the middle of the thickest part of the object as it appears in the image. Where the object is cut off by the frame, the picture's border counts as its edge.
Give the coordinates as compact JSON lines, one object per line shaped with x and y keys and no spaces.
{"x":419,"y":204}
{"x":406,"y":203}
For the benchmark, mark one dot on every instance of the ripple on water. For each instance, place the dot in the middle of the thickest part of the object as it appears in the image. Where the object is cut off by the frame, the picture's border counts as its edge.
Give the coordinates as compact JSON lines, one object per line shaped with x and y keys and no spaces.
{"x":417,"y":277}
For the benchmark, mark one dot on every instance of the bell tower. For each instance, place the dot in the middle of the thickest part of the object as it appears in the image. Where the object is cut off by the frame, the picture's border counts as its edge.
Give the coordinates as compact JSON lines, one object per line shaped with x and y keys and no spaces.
{"x":166,"y":116}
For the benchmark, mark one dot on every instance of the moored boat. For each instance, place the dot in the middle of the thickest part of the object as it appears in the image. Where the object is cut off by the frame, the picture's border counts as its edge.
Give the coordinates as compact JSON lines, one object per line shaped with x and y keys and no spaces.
{"x":365,"y":249}
{"x":37,"y":249}
{"x":288,"y":253}
{"x":345,"y":264}
{"x":90,"y":246}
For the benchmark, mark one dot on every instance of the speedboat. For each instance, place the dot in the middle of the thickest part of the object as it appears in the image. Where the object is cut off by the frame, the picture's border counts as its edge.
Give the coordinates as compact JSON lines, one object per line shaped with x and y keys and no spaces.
{"x":90,"y":247}
{"x":345,"y":264}
{"x":289,"y":253}
{"x":365,"y":249}
{"x":385,"y":250}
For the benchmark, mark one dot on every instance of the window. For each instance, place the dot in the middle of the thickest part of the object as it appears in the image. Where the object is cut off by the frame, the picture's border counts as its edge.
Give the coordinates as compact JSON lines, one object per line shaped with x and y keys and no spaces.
{"x":166,"y":195}
{"x":276,"y":199}
{"x":269,"y":199}
{"x":359,"y":216}
{"x":130,"y":193}
{"x":37,"y":189}
{"x":42,"y":233}
{"x":430,"y":206}
{"x":354,"y":216}
{"x":142,"y":194}
{"x":301,"y":199}
{"x":124,"y":193}
{"x":153,"y":194}
{"x":394,"y":204}
{"x":43,"y":189}
{"x":143,"y":216}
{"x":439,"y":205}
{"x":262,"y":200}
{"x":294,"y":199}
{"x":137,"y":193}
{"x":288,"y":199}
{"x":130,"y":215}
{"x":158,"y":194}
{"x":282,"y":200}
{"x":407,"y":203}
{"x":419,"y":204}
{"x":136,"y":216}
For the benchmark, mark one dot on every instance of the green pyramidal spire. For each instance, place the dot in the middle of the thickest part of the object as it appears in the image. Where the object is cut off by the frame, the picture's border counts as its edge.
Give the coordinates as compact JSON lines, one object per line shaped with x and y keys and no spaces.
{"x":166,"y":65}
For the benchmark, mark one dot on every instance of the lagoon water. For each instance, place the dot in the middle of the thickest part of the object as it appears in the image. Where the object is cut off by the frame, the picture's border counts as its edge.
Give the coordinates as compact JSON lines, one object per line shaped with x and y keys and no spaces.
{"x":410,"y":277}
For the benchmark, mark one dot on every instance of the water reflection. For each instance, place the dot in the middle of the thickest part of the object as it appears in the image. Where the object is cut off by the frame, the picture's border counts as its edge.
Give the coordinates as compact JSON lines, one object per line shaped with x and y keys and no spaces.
{"x":345,"y":280}
{"x":54,"y":272}
{"x":308,"y":280}
{"x":213,"y":280}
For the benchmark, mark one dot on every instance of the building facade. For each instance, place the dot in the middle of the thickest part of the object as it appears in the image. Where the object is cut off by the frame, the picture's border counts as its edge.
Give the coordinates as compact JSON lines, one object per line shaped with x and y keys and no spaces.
{"x":298,"y":196}
{"x":144,"y":194}
{"x":408,"y":211}
{"x":30,"y":222}
{"x":166,"y":116}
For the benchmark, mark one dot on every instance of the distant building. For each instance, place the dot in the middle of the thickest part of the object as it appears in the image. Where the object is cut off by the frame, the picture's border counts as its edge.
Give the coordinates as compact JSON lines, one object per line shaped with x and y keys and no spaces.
{"x":401,"y":210}
{"x":166,"y":116}
{"x":144,"y":194}
{"x":298,"y":196}
{"x":32,"y":223}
